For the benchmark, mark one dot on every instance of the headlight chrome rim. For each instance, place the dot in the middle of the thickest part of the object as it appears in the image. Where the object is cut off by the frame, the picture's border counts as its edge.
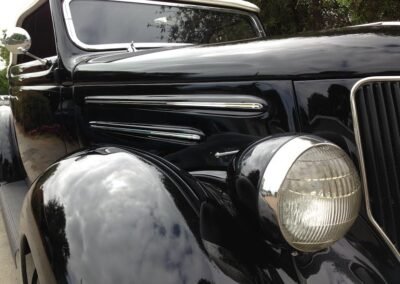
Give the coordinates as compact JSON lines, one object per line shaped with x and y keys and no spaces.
{"x":277,"y":171}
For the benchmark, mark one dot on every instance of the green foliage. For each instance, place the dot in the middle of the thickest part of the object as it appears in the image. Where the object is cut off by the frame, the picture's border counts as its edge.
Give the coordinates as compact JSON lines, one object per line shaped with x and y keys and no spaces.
{"x":363,"y":11}
{"x":3,"y":82}
{"x":4,"y":55}
{"x":285,"y":17}
{"x":32,"y":111}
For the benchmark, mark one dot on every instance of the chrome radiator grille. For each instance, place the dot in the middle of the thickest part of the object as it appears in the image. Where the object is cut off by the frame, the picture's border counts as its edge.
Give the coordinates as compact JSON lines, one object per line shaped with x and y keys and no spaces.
{"x":376,"y":116}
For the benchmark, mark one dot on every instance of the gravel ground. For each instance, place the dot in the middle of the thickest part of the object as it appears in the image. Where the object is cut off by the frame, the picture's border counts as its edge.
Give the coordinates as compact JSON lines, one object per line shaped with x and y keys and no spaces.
{"x":8,"y":273}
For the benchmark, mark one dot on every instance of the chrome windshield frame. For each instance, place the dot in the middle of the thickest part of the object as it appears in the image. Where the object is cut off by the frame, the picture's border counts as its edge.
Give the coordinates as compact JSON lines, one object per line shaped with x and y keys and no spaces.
{"x":147,"y":45}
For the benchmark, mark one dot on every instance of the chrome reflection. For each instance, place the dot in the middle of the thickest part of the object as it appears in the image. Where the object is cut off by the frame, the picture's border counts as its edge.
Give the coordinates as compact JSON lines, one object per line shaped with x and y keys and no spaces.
{"x":16,"y":40}
{"x":279,"y":166}
{"x":149,"y":131}
{"x":282,"y":161}
{"x":224,"y":154}
{"x":237,"y":102}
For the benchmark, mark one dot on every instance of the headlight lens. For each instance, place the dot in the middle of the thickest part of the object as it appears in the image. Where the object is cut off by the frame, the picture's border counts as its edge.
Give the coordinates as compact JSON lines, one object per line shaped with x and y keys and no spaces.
{"x":309,"y":194}
{"x":319,"y":199}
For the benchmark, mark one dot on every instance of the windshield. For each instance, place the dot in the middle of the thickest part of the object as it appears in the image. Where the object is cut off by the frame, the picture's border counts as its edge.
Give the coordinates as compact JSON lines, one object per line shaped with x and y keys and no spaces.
{"x":97,"y":22}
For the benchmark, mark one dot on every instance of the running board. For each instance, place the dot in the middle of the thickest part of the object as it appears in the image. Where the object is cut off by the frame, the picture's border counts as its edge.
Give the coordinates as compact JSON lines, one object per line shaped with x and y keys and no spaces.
{"x":11,"y":198}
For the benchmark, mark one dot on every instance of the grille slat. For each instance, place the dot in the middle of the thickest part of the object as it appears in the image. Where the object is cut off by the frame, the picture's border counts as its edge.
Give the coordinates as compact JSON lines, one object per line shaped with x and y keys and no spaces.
{"x":389,"y":157}
{"x":376,"y":108}
{"x":378,"y":154}
{"x":396,"y":99}
{"x":394,"y":132}
{"x":394,"y":121}
{"x":376,"y":204}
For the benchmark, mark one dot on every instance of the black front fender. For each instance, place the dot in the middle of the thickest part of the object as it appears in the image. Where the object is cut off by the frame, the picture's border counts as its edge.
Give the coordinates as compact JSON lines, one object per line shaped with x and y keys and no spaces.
{"x":109,"y":215}
{"x":112,"y":216}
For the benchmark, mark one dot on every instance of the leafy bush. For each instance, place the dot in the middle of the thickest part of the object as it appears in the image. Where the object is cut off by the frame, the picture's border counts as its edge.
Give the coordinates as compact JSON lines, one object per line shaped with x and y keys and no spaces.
{"x":3,"y":82}
{"x":32,"y":111}
{"x":285,"y":17}
{"x":4,"y":54}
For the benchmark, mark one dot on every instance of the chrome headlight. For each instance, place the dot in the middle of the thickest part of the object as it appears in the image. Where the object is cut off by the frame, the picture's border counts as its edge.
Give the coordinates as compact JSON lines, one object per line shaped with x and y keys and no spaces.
{"x":308,"y":189}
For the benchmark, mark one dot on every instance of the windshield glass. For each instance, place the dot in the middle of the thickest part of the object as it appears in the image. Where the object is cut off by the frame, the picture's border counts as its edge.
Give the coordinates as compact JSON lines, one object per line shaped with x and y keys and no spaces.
{"x":112,"y":22}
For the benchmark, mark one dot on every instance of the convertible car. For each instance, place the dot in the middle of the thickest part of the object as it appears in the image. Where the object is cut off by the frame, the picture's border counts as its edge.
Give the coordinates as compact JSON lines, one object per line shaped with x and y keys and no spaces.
{"x":175,"y":142}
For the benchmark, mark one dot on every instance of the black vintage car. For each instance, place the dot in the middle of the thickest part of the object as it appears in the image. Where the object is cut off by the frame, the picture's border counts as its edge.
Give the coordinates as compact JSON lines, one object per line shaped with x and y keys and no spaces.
{"x":173,"y":142}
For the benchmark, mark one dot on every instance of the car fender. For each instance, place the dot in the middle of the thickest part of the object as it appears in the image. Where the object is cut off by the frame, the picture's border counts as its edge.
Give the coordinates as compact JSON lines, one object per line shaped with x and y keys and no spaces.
{"x":108,"y":215}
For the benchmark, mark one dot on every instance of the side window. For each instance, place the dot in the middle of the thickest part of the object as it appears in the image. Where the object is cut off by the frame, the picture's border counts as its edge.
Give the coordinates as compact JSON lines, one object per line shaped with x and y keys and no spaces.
{"x":40,"y":27}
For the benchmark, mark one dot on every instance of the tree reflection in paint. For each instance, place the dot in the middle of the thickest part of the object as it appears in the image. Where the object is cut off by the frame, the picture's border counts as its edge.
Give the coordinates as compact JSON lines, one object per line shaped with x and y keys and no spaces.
{"x":56,"y":232}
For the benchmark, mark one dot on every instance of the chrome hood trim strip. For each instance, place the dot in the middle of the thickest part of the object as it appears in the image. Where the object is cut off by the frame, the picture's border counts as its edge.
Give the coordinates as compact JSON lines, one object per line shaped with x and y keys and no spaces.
{"x":236,"y":102}
{"x":151,"y":131}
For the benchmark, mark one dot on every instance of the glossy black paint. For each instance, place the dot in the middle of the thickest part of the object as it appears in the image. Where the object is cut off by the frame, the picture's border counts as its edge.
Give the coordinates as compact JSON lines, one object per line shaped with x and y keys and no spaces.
{"x":230,"y":69}
{"x":305,"y":82}
{"x":347,"y":53}
{"x":109,"y":215}
{"x":224,"y":129}
{"x":301,"y":58}
{"x":324,"y":110}
{"x":138,"y":206}
{"x":244,"y":179}
{"x":10,"y":164}
{"x":360,"y":257}
{"x":36,"y":108}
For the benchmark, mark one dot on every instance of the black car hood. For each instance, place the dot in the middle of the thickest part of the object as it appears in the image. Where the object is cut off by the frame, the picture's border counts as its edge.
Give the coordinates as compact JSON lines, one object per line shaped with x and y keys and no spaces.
{"x":357,"y":52}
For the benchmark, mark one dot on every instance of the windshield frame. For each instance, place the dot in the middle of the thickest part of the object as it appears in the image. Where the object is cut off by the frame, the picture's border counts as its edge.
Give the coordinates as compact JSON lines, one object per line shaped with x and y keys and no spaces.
{"x":148,"y":45}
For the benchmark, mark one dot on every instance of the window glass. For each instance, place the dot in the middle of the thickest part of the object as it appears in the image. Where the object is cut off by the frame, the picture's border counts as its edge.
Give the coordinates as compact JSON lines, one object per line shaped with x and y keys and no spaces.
{"x":109,"y":22}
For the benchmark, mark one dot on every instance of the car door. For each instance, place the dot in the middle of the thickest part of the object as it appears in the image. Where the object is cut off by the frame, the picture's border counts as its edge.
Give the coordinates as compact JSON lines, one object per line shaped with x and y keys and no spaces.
{"x":35,"y":95}
{"x":35,"y":102}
